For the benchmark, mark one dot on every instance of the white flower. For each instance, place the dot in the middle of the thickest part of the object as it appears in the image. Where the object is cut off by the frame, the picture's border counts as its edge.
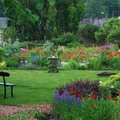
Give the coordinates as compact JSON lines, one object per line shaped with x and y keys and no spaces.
{"x":25,"y":61}
{"x":100,"y":82}
{"x":64,"y":63}
{"x":53,"y":57}
{"x":111,"y":86}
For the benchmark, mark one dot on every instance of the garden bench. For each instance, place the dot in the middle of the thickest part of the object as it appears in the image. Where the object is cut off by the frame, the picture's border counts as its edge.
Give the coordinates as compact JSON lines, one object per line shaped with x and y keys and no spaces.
{"x":4,"y":84}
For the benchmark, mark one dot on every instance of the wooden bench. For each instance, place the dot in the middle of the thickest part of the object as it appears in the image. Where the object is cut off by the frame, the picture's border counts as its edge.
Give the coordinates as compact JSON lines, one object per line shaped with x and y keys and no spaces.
{"x":4,"y":84}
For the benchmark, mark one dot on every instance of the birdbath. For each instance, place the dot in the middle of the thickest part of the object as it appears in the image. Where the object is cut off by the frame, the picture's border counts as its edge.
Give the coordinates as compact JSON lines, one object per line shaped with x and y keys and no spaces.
{"x":53,"y":64}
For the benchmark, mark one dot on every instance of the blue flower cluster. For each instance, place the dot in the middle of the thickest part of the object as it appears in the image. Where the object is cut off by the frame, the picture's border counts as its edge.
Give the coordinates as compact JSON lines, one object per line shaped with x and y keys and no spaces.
{"x":35,"y":59}
{"x":66,"y":98}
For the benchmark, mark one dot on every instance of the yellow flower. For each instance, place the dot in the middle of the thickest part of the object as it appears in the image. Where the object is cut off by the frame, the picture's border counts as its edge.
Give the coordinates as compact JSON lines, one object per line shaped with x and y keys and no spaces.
{"x":3,"y":64}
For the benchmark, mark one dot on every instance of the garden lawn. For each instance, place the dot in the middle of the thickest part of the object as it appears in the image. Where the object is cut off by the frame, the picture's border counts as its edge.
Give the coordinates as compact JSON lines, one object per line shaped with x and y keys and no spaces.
{"x":35,"y":87}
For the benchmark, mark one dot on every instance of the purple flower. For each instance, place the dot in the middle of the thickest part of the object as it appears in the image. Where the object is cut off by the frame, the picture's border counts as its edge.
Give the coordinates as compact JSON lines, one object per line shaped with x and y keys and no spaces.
{"x":105,"y":47}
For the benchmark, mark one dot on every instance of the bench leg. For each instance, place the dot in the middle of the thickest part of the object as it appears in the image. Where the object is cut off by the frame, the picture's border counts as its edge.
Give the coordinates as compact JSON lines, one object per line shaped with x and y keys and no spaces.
{"x":11,"y":91}
{"x":4,"y":92}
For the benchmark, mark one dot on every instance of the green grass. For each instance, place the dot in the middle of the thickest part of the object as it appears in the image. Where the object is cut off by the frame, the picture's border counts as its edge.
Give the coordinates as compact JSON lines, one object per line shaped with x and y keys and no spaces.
{"x":34,"y":87}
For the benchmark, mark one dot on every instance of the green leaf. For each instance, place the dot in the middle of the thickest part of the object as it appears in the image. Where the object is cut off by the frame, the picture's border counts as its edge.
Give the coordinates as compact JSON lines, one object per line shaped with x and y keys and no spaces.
{"x":51,"y":2}
{"x":35,"y":17}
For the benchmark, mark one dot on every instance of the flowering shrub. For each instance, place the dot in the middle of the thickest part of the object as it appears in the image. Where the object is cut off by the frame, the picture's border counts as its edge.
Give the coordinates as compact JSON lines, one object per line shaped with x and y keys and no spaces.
{"x":68,"y":107}
{"x":85,"y":88}
{"x":82,"y":100}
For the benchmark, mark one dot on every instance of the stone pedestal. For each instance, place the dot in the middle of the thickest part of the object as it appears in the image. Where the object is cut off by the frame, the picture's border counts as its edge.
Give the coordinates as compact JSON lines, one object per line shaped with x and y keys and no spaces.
{"x":53,"y":65}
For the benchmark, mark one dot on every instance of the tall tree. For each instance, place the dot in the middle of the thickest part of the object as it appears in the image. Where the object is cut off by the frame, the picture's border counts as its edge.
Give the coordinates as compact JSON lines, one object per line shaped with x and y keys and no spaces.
{"x":93,"y":8}
{"x":44,"y":19}
{"x":69,"y":13}
{"x":2,"y":11}
{"x":32,"y":17}
{"x":109,"y":8}
{"x":113,"y":7}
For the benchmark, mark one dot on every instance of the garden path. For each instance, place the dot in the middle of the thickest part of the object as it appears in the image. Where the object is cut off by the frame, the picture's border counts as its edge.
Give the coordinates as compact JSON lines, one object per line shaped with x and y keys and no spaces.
{"x":9,"y":110}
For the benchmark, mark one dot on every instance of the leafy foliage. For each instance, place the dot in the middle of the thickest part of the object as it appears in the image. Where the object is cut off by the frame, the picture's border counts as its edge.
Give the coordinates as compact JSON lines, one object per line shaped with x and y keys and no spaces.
{"x":65,"y":39}
{"x":97,"y":8}
{"x":87,"y":33}
{"x":109,"y":32}
{"x":85,"y":88}
{"x":9,"y":33}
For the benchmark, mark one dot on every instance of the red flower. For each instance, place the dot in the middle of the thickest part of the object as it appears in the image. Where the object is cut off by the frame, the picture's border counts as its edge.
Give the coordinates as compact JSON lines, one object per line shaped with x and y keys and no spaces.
{"x":108,"y":97}
{"x":116,"y":54}
{"x":92,"y":106}
{"x":118,"y":93}
{"x":93,"y":96}
{"x":79,"y":95}
{"x":109,"y":56}
{"x":72,"y":92}
{"x":24,"y":51}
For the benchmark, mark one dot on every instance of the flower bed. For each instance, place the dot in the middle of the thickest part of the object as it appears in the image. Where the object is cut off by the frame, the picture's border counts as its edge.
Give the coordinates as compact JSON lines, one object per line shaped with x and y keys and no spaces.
{"x":83,"y":100}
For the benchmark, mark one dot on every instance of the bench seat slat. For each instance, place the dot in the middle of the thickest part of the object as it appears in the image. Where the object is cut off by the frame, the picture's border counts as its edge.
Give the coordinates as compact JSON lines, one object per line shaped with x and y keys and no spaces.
{"x":7,"y":84}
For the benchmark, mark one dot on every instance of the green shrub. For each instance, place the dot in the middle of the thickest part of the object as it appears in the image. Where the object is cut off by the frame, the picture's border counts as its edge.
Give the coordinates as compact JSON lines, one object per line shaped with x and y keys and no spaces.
{"x":112,"y":85}
{"x":112,"y":79}
{"x":12,"y":63}
{"x":9,"y":32}
{"x":102,"y":62}
{"x":87,"y":33}
{"x":94,"y":64}
{"x":11,"y":47}
{"x":73,"y":44}
{"x":83,"y":66}
{"x":115,"y":63}
{"x":73,"y":64}
{"x":65,"y":39}
{"x":109,"y":32}
{"x":114,"y":36}
{"x":44,"y":61}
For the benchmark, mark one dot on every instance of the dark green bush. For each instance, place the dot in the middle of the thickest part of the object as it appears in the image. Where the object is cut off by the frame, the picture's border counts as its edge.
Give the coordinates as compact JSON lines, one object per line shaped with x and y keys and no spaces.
{"x":114,"y":36}
{"x":87,"y":33}
{"x":109,"y":32}
{"x":64,"y":39}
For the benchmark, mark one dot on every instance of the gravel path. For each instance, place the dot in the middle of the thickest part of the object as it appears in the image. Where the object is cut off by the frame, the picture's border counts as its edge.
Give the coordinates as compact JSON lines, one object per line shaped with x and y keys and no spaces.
{"x":9,"y":110}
